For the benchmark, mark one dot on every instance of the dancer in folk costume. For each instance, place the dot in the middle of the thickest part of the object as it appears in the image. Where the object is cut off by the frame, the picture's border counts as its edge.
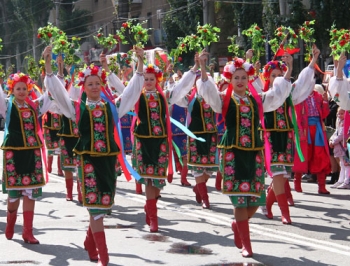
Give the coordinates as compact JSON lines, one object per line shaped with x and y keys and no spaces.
{"x":22,"y":164}
{"x":202,"y":157}
{"x":220,"y":125}
{"x":313,"y":140}
{"x":69,"y":135}
{"x":279,"y":127}
{"x":179,"y":113}
{"x":96,"y":148}
{"x":52,"y":123}
{"x":242,"y":160}
{"x":152,"y":150}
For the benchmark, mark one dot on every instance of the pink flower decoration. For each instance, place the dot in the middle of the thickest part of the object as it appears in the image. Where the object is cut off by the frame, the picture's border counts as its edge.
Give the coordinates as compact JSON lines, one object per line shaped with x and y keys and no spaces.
{"x":163,"y":148}
{"x":10,"y":167}
{"x":150,"y":170}
{"x":229,"y":185}
{"x":11,"y":180}
{"x":244,"y":109}
{"x":154,"y":116}
{"x":106,"y":200}
{"x":90,"y":182}
{"x":99,"y":127}
{"x":92,"y":197}
{"x":26,"y":180}
{"x":97,"y":113}
{"x":9,"y":154}
{"x":26,"y":114}
{"x":88,"y":168}
{"x":99,"y":145}
{"x":157,"y":130}
{"x":153,"y":104}
{"x":229,"y":156}
{"x":245,"y":187}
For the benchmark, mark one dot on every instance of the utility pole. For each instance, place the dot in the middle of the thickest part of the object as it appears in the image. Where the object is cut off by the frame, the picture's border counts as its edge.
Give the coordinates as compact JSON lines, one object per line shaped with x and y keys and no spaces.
{"x":58,"y":2}
{"x":205,"y":11}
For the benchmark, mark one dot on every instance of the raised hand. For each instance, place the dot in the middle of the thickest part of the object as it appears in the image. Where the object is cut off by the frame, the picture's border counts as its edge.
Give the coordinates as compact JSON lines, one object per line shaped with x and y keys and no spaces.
{"x":249,"y":55}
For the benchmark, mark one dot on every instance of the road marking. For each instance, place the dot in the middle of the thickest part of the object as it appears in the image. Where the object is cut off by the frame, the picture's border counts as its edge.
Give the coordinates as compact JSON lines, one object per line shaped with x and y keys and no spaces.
{"x":226,"y":221}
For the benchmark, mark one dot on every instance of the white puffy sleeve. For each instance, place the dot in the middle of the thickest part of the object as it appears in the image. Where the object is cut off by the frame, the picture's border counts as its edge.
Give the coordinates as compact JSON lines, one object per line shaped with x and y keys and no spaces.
{"x":114,"y":83}
{"x":60,"y":96}
{"x":258,"y":85}
{"x":339,"y":90}
{"x":44,"y":103}
{"x":303,"y":86}
{"x":181,"y":88}
{"x":74,"y":92}
{"x":130,"y":95}
{"x":210,"y":94}
{"x":275,"y":97}
{"x":3,"y":103}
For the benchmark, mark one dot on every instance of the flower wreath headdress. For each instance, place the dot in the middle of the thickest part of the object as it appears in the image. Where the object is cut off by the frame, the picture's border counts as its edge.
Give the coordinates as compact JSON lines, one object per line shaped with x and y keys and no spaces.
{"x":150,"y":68}
{"x":92,"y":70}
{"x":237,"y":63}
{"x":13,"y":79}
{"x":270,"y":66}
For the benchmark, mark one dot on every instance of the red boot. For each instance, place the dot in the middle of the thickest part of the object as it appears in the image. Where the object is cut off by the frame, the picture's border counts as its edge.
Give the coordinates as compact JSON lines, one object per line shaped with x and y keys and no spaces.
{"x":297,"y":182}
{"x":69,"y":187}
{"x":49,"y":163}
{"x":198,"y":196}
{"x":243,"y":229}
{"x":151,"y":207}
{"x":138,"y":188}
{"x":170,"y":178}
{"x":321,"y":179}
{"x":89,"y":245}
{"x":202,"y":189}
{"x":100,"y":242}
{"x":10,"y":225}
{"x":80,"y":196}
{"x":147,"y":217}
{"x":237,"y":238}
{"x":218,"y":180}
{"x":288,"y":193}
{"x":283,"y":204}
{"x":270,"y":200}
{"x":59,"y":167}
{"x":184,"y":181}
{"x":27,"y":233}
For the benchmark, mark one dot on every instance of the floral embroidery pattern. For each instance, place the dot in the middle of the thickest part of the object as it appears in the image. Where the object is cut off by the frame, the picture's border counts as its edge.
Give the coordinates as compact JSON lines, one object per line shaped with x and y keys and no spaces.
{"x":67,"y":162}
{"x":245,"y":129}
{"x":158,"y":170}
{"x":233,"y":185}
{"x":27,"y":180}
{"x":195,"y":158}
{"x":208,"y":116}
{"x":93,"y":196}
{"x":154,"y":106}
{"x":281,"y":122}
{"x":29,"y":127}
{"x":285,"y":157}
{"x":98,"y":118}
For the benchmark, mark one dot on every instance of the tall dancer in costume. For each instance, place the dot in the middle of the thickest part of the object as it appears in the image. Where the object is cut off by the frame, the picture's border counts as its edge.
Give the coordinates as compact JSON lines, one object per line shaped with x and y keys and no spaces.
{"x":23,"y":171}
{"x":69,"y":135}
{"x":280,"y":131}
{"x":313,"y":140}
{"x":242,"y":160}
{"x":152,"y":136}
{"x":202,"y":156}
{"x":96,"y":148}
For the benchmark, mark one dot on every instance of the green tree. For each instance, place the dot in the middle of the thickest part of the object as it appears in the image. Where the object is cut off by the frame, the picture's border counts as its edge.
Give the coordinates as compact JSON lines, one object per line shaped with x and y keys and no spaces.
{"x":181,"y":20}
{"x":74,"y":21}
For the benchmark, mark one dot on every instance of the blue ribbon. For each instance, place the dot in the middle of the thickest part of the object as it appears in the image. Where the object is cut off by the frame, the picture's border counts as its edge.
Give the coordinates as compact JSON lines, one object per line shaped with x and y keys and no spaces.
{"x":8,"y":115}
{"x":116,"y":122}
{"x":179,"y":125}
{"x":319,"y":137}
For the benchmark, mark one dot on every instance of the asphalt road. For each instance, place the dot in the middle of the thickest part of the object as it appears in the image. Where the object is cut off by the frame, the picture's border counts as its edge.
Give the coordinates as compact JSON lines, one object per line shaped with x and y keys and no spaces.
{"x":188,"y":235}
